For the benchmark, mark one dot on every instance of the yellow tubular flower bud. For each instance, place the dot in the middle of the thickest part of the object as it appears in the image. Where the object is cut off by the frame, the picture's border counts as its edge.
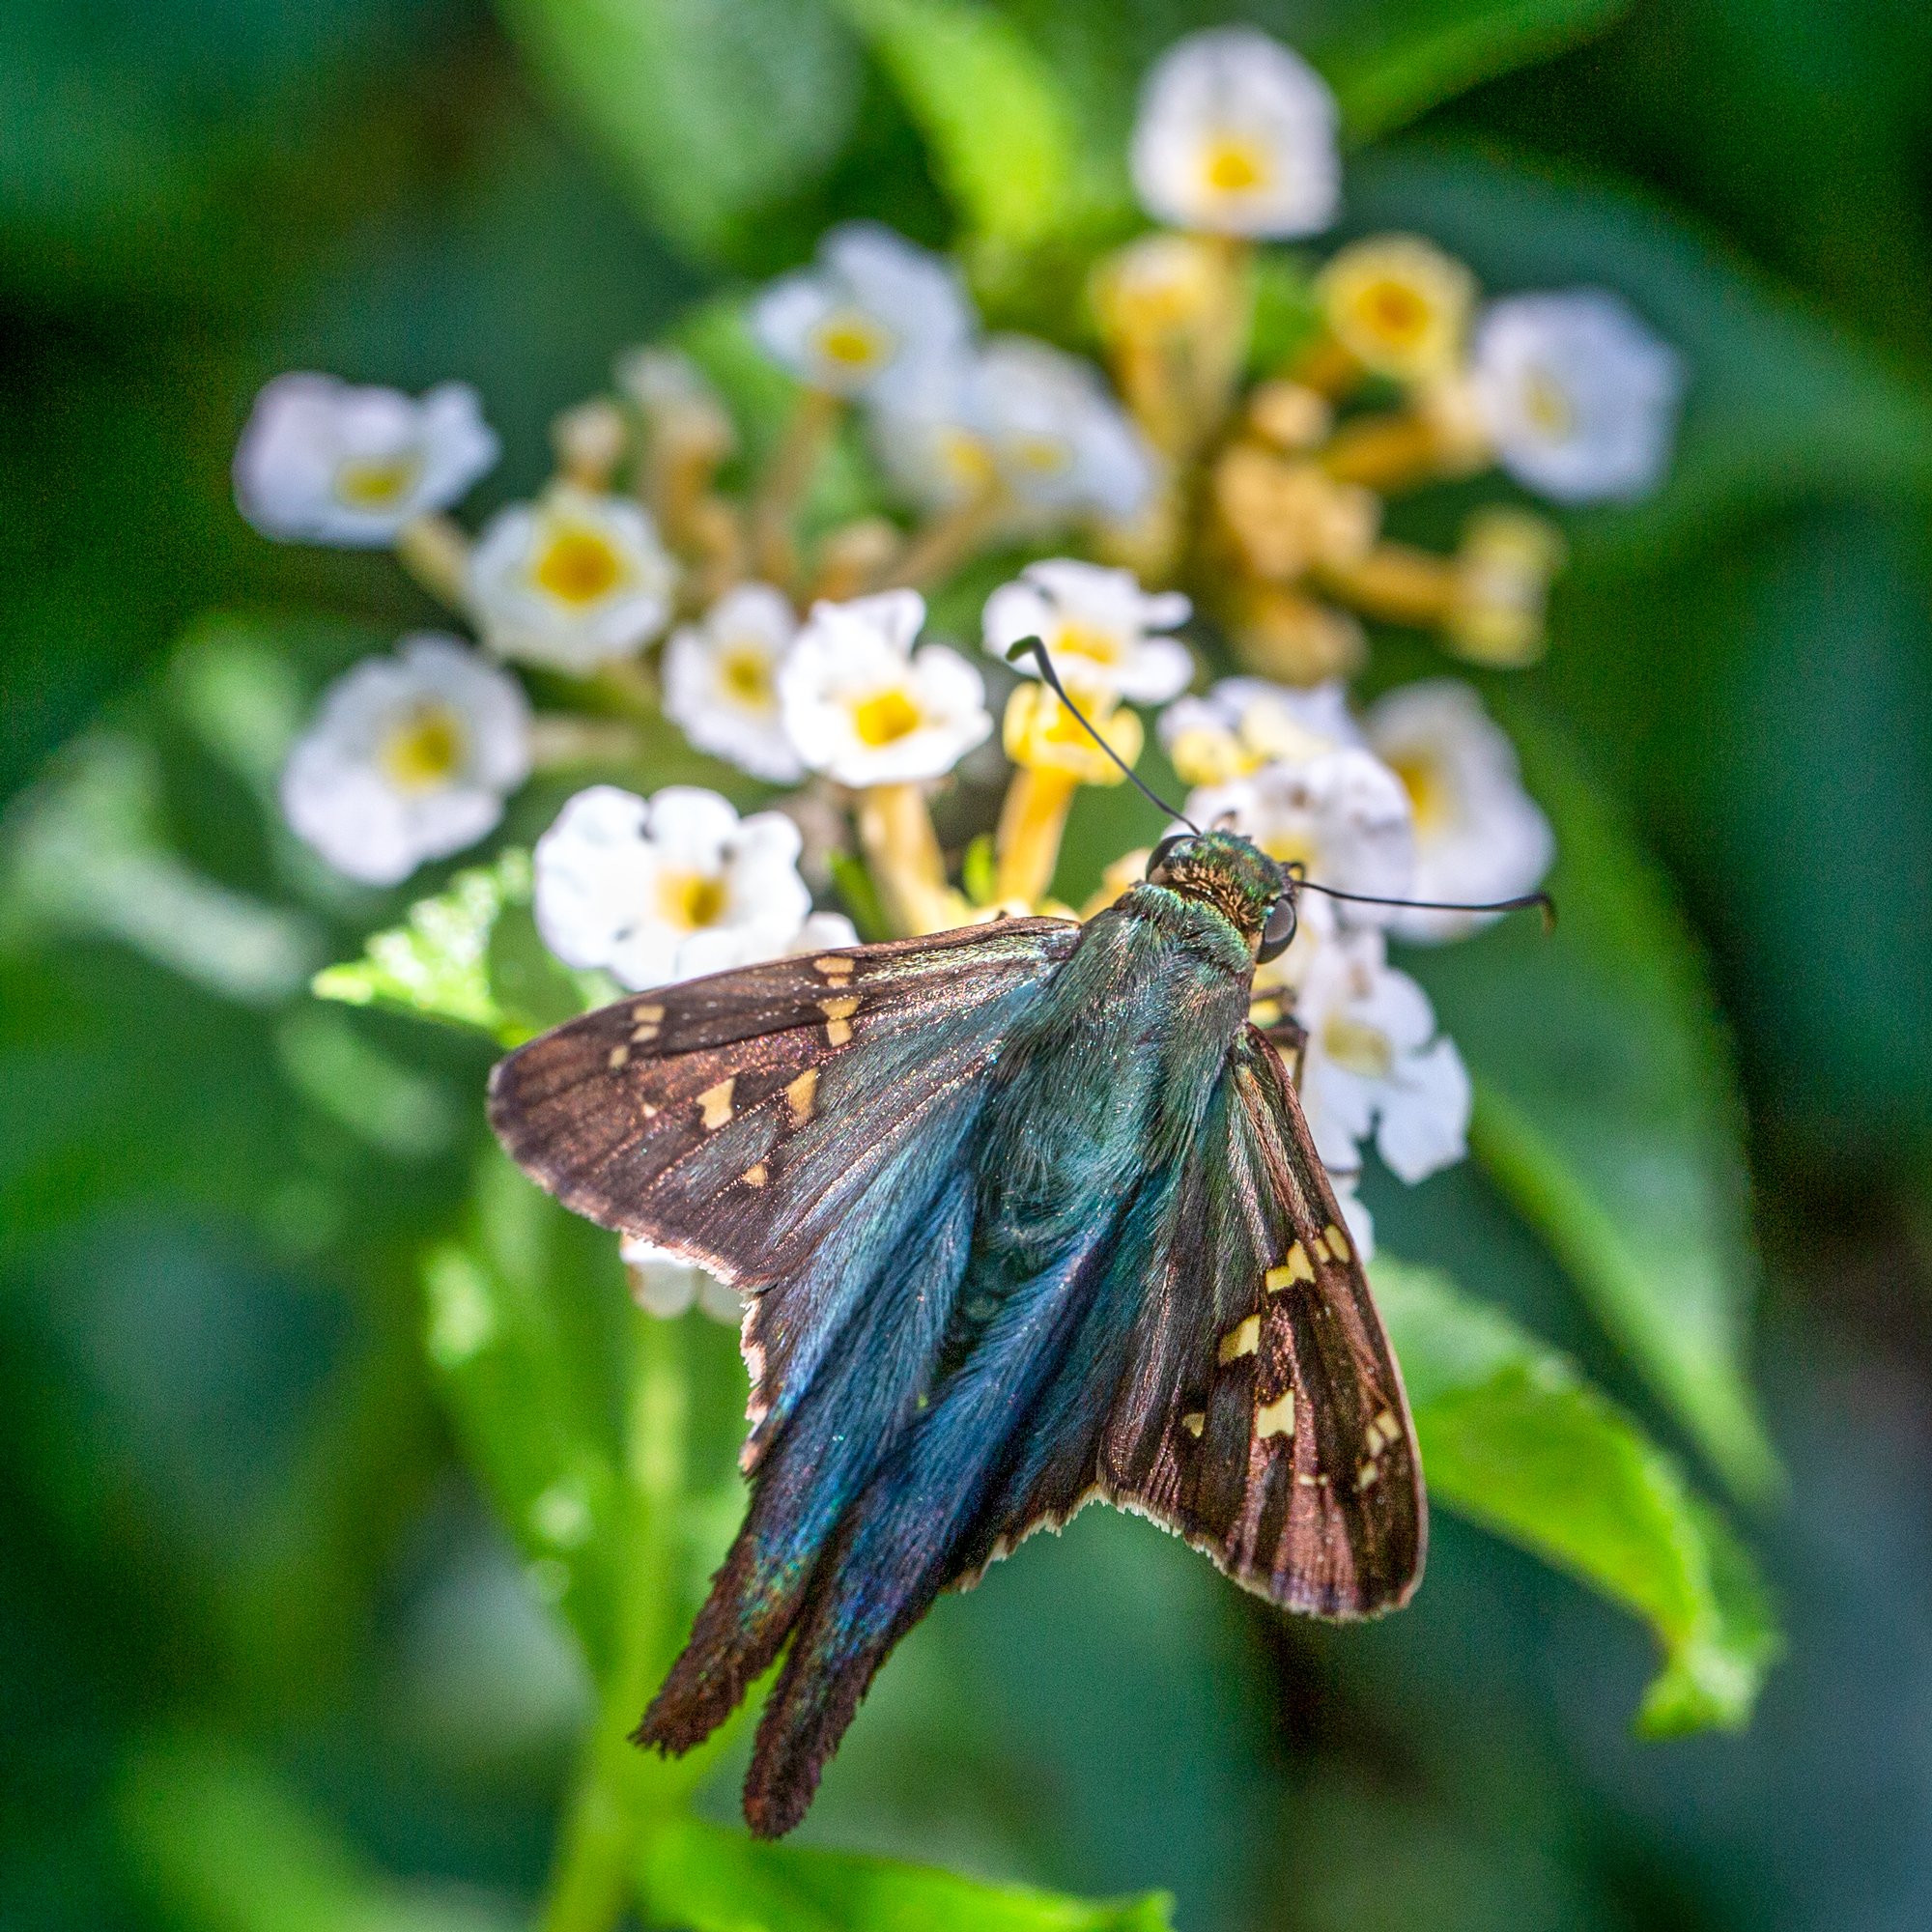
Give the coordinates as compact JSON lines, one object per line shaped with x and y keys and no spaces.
{"x":1399,"y":306}
{"x":1503,"y":574}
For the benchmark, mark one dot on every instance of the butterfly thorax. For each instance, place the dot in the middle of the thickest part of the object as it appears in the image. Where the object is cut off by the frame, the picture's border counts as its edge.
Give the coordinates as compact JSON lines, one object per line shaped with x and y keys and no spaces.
{"x":1105,"y":1082}
{"x":1225,"y":871}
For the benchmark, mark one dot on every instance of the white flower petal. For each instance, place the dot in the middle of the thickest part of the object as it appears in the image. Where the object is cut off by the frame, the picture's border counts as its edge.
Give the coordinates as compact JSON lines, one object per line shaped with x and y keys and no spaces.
{"x":665,"y":889}
{"x":1478,"y":835}
{"x":1237,"y":136}
{"x":1578,"y":397}
{"x":409,"y":758}
{"x":323,"y":462}
{"x":721,"y":682}
{"x":573,"y":581}
{"x":1425,"y":1115}
{"x":1097,"y":624}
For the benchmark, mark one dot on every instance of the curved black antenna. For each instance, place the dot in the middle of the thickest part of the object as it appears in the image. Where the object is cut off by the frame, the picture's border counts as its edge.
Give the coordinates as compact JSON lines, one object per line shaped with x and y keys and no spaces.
{"x":1031,"y":647}
{"x":1540,"y":900}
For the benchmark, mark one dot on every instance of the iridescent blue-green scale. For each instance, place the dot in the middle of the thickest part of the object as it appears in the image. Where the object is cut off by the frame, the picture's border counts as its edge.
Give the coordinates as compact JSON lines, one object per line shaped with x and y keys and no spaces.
{"x":1096,"y":1099}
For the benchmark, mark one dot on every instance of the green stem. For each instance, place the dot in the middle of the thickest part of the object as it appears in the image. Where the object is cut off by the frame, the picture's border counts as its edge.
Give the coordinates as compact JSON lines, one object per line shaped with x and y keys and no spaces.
{"x":623,"y":1792}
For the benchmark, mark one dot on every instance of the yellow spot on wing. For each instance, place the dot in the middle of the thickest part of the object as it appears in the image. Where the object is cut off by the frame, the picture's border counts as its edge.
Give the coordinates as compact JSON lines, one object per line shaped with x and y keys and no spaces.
{"x":1242,"y":1338}
{"x":648,"y":1014}
{"x":713,"y":1104}
{"x":619,"y":1057}
{"x":833,"y":966}
{"x":1295,"y":1265}
{"x":838,"y":1018}
{"x":756,"y":1175}
{"x":1194,"y":1421}
{"x":1366,"y":1475}
{"x":800,"y":1096}
{"x":1337,"y":1240}
{"x":1320,"y":1246}
{"x":641,"y":1034}
{"x":1276,"y":1419}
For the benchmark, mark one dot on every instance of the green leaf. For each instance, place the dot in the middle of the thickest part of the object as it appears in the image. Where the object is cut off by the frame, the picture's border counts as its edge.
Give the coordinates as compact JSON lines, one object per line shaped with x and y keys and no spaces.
{"x":709,"y":107}
{"x":85,"y":851}
{"x":712,"y":1879}
{"x":1002,"y":131}
{"x":523,"y":1326}
{"x":1606,"y":1105}
{"x":222,"y":1843}
{"x":437,"y":963}
{"x":1513,"y":1439}
{"x":1398,"y":62}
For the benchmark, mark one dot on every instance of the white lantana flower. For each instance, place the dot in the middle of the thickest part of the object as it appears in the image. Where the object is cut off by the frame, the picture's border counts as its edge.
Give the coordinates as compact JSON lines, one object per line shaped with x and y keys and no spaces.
{"x":1374,"y":1064}
{"x":1478,"y":833}
{"x":874,"y":314}
{"x":572,"y":581}
{"x":864,"y":707}
{"x":1241,"y":724}
{"x":665,"y":1285}
{"x":323,"y":462}
{"x":1027,"y":419}
{"x":1237,"y":136}
{"x":1098,"y":626}
{"x":721,"y":682}
{"x":410,"y":758}
{"x":1578,"y":397}
{"x":1342,"y":814}
{"x":667,"y":888}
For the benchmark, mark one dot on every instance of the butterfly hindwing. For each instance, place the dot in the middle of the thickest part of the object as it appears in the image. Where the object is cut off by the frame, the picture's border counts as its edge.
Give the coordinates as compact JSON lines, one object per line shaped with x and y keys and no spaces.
{"x":1251,"y":1403}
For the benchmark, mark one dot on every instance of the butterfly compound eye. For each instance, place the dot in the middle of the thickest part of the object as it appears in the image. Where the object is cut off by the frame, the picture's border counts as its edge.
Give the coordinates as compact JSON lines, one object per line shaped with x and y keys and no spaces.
{"x":1278,"y":934}
{"x":1158,"y":857}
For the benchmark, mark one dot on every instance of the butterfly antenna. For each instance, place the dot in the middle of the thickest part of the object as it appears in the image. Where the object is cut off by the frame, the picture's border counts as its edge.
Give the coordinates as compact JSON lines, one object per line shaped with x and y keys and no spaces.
{"x":1034,"y":648}
{"x":1542,"y":902}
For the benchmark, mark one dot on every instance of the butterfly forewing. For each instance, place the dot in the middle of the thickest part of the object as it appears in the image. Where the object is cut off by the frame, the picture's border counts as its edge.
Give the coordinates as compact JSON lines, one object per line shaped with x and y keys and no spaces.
{"x":1256,"y":1407}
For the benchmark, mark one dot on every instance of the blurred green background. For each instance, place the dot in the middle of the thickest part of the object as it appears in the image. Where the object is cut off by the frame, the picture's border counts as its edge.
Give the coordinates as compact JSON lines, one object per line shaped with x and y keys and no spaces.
{"x":252,"y":1605}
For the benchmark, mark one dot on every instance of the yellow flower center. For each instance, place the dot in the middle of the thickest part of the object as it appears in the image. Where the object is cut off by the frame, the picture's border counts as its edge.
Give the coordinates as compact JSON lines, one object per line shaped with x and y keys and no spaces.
{"x":691,"y":900}
{"x":1042,"y":455}
{"x":578,"y":566}
{"x":965,"y":458}
{"x":1396,"y":311}
{"x":378,"y":482}
{"x":1234,"y":164}
{"x":425,"y":749}
{"x":1547,"y":404}
{"x":851,"y":340}
{"x":1289,"y":850}
{"x":885,"y":717}
{"x":745,"y":670}
{"x":1091,"y":641}
{"x":1429,"y":798}
{"x":1359,"y":1048}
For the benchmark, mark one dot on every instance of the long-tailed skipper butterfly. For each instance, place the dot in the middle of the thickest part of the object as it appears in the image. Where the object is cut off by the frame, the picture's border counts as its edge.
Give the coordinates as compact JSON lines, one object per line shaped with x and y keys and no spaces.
{"x":1026,"y":1216}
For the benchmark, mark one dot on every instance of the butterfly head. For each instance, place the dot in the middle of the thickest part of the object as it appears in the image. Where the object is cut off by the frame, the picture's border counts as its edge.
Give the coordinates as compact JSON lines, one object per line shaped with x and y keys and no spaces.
{"x":1236,"y":877}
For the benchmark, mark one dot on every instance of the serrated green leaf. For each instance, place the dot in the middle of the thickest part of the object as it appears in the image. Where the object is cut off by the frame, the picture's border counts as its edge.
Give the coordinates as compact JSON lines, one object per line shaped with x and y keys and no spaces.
{"x":709,"y":107}
{"x":1513,"y":1439}
{"x":1003,"y":132}
{"x":1396,"y":63}
{"x":437,"y":963}
{"x":1606,"y":1106}
{"x":712,"y":1879}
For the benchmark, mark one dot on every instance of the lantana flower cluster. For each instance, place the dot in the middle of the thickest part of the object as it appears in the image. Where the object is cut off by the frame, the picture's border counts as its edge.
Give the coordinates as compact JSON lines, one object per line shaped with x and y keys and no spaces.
{"x":1206,"y":523}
